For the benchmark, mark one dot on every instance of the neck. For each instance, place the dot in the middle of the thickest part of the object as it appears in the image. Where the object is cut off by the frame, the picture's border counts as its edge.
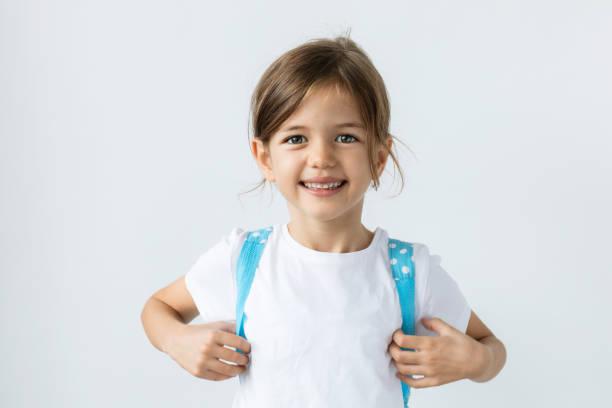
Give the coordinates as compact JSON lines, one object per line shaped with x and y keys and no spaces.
{"x":337,"y":236}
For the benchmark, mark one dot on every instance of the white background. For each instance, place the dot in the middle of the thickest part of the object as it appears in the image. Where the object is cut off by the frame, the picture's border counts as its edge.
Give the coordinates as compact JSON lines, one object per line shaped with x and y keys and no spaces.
{"x":124,"y":145}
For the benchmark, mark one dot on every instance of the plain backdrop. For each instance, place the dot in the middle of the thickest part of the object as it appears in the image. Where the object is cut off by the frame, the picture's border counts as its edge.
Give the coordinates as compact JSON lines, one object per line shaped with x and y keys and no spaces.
{"x":124,"y":145}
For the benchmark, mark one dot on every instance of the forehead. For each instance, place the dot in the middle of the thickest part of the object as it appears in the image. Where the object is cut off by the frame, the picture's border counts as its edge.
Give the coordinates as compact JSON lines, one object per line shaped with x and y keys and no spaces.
{"x":329,"y":96}
{"x":325,"y":107}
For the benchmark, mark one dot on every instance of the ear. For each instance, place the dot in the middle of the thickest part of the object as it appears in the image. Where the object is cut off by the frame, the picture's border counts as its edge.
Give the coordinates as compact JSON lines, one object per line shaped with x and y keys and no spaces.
{"x":263,"y":159}
{"x":383,"y":155}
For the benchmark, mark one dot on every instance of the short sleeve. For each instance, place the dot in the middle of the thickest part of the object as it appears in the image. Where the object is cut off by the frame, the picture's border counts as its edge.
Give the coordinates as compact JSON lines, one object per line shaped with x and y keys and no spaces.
{"x":211,"y":280}
{"x":442,"y":296}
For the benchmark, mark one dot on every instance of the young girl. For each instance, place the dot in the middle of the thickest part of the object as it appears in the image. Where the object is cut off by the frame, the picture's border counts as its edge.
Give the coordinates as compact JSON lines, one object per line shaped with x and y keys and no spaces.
{"x":322,"y":319}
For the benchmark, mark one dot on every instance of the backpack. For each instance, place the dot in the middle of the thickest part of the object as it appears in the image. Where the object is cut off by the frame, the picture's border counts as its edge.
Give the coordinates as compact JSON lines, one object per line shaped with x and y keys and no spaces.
{"x":402,"y":266}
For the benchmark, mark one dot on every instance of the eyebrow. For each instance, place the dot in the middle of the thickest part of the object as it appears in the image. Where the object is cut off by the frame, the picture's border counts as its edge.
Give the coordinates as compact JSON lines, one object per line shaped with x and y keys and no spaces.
{"x":340,"y":125}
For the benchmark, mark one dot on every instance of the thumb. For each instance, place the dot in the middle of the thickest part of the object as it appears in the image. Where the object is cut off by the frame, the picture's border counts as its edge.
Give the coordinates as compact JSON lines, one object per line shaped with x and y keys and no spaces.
{"x":435,"y":324}
{"x":226,"y":326}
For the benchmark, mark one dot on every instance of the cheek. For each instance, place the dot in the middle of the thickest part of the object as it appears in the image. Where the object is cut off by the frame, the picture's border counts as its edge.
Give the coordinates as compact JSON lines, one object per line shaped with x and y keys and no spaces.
{"x":287,"y":170}
{"x":359,"y":167}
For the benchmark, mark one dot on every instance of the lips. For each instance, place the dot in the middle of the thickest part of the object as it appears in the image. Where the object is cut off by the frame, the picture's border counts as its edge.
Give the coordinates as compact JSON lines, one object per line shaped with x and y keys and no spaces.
{"x":322,"y":180}
{"x":343,"y":182}
{"x":324,"y":192}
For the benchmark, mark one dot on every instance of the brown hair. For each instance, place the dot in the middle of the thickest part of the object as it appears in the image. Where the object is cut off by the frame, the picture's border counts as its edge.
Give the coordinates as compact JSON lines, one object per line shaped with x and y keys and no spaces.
{"x":319,"y":63}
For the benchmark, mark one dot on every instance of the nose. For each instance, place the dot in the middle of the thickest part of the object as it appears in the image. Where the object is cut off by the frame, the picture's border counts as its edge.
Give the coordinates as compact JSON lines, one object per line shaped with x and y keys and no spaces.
{"x":321,"y":155}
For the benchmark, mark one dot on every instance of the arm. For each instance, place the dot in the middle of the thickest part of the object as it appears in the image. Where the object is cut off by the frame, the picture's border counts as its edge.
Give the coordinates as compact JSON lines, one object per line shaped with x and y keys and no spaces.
{"x":492,"y":355}
{"x":199,"y":349}
{"x":161,"y":323}
{"x":166,"y":313}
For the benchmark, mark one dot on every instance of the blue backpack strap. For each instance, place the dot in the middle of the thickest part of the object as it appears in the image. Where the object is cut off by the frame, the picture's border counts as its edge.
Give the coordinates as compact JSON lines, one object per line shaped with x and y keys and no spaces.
{"x":248,"y":261}
{"x":402,"y":265}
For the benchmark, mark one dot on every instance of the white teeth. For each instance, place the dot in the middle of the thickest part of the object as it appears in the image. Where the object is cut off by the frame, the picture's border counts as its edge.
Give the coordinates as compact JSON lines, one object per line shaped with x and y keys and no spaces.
{"x":321,"y":186}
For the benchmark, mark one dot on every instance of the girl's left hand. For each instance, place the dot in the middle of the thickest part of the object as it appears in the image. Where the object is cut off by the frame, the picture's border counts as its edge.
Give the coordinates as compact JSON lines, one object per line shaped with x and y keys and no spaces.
{"x":450,"y":357}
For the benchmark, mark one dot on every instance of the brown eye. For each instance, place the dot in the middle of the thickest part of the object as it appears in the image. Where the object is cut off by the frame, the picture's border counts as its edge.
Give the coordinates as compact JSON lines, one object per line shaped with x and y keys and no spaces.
{"x":348,"y":136}
{"x":292,"y":137}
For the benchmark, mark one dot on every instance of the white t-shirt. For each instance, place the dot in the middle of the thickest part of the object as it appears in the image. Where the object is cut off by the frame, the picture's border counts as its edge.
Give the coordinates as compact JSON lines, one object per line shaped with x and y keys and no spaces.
{"x":320,"y":323}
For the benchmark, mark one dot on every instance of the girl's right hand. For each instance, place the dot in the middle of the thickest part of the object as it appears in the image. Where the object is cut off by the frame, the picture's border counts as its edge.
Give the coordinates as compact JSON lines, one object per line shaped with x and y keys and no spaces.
{"x":198,"y":348}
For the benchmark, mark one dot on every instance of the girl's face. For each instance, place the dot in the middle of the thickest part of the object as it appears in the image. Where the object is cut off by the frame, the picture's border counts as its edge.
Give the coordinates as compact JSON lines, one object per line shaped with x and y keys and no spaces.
{"x":331,"y":142}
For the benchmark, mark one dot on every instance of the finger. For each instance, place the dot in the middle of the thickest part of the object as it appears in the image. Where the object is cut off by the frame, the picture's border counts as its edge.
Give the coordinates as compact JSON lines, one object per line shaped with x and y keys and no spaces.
{"x":404,"y":356}
{"x":228,"y":354}
{"x":227,"y":326}
{"x":228,"y":339}
{"x":410,"y":341}
{"x":215,"y":376}
{"x":226,"y":369}
{"x":438,"y":325}
{"x":417,"y":382}
{"x":411,"y":369}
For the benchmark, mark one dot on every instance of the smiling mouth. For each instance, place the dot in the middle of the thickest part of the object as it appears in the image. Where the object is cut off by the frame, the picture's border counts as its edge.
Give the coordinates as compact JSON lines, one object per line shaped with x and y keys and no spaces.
{"x":323,"y":189}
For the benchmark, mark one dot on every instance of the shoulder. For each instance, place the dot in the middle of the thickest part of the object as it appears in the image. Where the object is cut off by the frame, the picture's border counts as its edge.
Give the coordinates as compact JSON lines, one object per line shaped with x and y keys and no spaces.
{"x":223,"y":248}
{"x":235,"y":234}
{"x":420,"y":251}
{"x":421,"y":256}
{"x":237,"y":237}
{"x":425,"y":262}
